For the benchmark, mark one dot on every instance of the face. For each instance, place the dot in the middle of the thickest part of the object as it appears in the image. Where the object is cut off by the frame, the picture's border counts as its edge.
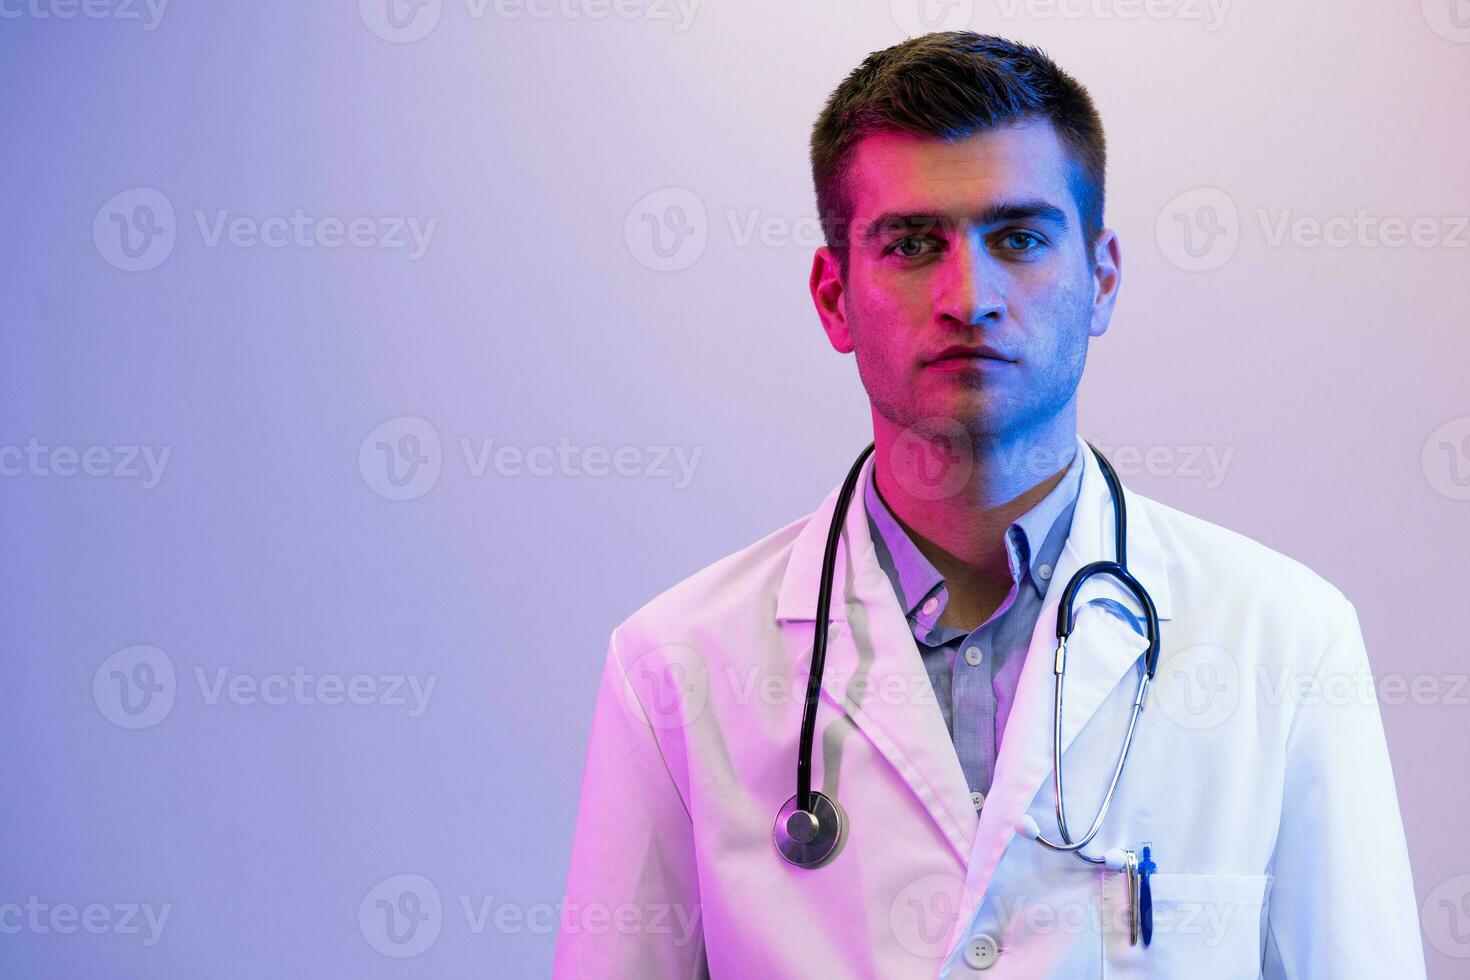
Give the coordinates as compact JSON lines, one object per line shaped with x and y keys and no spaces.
{"x":974,"y":245}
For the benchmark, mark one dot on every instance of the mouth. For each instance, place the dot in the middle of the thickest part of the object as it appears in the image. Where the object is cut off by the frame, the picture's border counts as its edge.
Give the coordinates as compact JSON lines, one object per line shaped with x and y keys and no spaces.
{"x":980,"y":365}
{"x":975,"y":358}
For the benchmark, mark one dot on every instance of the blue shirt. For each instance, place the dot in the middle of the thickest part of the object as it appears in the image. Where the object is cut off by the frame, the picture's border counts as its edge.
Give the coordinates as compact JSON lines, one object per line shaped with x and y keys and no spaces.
{"x":975,"y":674}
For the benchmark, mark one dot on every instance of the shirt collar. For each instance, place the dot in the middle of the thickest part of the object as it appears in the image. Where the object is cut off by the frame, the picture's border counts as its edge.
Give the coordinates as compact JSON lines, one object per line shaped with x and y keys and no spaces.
{"x":1039,"y":535}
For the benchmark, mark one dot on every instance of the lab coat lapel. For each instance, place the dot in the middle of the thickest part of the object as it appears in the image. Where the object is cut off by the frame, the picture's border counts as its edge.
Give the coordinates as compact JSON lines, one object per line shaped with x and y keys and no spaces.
{"x":873,"y":672}
{"x":1103,"y":651}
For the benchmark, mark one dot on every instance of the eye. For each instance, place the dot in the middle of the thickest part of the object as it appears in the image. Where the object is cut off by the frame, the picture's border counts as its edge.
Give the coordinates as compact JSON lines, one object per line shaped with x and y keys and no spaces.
{"x":1023,"y":241}
{"x":911,"y":246}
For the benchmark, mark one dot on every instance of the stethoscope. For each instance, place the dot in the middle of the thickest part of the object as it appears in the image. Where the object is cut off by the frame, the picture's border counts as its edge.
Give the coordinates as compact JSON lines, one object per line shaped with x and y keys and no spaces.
{"x":810,"y":824}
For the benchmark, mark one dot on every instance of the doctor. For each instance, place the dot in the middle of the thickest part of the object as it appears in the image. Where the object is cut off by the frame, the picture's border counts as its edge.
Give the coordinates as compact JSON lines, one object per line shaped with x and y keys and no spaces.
{"x":960,"y":179}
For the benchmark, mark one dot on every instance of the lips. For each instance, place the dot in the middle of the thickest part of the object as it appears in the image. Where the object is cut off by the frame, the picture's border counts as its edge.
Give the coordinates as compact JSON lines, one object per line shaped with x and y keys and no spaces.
{"x":970,"y":352}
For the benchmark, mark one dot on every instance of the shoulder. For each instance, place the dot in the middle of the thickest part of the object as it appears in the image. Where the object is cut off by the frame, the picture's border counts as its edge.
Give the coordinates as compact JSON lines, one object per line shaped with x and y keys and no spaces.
{"x":1244,"y":579}
{"x":736,"y":590}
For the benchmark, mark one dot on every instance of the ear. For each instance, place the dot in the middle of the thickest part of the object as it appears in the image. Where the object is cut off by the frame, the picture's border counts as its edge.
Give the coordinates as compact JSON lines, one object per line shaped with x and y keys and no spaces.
{"x":830,"y":297}
{"x":1107,"y":272}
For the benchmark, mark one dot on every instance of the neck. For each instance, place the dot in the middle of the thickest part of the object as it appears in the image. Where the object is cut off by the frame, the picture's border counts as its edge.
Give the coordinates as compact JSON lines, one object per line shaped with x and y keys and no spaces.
{"x":956,"y":495}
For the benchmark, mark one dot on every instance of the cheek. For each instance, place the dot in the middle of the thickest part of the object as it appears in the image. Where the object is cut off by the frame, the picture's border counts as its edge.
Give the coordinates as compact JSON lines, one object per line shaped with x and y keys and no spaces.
{"x":884,"y":290}
{"x":881,"y":317}
{"x":1063,"y":298}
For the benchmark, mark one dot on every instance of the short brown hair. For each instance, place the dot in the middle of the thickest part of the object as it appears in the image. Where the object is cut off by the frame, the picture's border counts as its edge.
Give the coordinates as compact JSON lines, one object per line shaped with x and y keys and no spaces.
{"x":950,"y":85}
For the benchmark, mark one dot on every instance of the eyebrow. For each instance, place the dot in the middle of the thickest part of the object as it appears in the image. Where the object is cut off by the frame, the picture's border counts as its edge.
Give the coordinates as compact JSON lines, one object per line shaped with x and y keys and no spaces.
{"x":992,"y":214}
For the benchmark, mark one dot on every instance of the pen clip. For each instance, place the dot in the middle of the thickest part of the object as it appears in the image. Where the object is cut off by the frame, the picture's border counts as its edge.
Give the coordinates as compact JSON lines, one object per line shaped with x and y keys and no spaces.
{"x":1130,"y":872}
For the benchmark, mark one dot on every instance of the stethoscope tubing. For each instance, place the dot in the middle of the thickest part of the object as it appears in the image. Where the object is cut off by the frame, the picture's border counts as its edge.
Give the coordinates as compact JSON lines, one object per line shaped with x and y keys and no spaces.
{"x":804,"y":800}
{"x":819,"y":637}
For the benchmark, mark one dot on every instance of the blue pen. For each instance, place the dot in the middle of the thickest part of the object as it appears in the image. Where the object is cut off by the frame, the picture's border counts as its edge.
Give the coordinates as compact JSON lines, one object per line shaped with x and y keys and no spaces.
{"x":1146,"y":867}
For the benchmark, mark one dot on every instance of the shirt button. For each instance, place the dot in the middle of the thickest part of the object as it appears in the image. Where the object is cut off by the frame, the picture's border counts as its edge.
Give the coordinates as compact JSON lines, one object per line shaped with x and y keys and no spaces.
{"x":973,"y":656}
{"x":930,"y":605}
{"x":1044,"y":571}
{"x":981,"y":952}
{"x":977,"y":798}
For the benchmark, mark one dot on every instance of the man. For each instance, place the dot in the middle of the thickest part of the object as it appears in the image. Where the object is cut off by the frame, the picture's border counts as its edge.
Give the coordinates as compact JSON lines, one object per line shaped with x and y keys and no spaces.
{"x":960,"y":182}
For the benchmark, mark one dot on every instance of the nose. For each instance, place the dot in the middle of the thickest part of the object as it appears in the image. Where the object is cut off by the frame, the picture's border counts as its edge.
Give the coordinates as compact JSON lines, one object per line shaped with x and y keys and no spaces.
{"x":969,"y":287}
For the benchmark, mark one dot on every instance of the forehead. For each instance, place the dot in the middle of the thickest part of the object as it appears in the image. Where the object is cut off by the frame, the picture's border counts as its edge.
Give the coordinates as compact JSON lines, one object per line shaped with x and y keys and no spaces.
{"x":903,"y":171}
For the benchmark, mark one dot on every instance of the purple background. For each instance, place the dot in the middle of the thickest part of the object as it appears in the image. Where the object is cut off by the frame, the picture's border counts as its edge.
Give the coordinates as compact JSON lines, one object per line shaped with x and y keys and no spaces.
{"x":1333,"y":376}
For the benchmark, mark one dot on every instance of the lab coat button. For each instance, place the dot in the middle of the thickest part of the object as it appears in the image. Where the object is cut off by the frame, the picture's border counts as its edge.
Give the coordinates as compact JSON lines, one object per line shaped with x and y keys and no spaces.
{"x":981,"y":952}
{"x":973,"y":656}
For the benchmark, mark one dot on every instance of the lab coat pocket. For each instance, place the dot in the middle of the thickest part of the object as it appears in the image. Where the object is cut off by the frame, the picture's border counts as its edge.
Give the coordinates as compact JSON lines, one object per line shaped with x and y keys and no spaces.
{"x":1207,"y":927}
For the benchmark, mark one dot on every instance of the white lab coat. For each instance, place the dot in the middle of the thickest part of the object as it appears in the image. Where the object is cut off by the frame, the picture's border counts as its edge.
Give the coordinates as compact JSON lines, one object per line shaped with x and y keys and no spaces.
{"x":1259,"y":773}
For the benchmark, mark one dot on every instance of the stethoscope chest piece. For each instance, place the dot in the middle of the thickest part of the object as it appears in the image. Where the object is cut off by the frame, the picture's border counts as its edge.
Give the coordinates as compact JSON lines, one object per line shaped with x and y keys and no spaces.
{"x":808,"y":838}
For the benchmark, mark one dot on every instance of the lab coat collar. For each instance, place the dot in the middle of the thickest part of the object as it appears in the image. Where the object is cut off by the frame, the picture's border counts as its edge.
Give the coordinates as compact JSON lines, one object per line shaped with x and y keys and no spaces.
{"x":875,"y":674}
{"x":1091,"y":535}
